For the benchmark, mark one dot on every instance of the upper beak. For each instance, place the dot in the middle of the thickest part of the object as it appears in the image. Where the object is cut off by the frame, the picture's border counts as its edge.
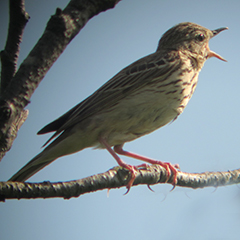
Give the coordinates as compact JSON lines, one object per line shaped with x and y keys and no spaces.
{"x":211,"y":53}
{"x":217,"y":31}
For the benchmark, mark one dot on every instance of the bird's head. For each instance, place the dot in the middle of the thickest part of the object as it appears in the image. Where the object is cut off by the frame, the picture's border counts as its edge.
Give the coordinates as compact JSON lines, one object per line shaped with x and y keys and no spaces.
{"x":190,"y":38}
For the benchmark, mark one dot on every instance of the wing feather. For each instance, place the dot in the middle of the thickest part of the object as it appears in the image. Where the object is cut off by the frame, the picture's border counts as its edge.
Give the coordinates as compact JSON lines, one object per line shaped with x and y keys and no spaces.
{"x":153,"y":67}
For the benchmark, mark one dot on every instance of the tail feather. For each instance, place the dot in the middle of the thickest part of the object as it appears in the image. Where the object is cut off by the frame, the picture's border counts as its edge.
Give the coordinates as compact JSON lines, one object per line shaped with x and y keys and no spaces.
{"x":30,"y":168}
{"x":67,"y":143}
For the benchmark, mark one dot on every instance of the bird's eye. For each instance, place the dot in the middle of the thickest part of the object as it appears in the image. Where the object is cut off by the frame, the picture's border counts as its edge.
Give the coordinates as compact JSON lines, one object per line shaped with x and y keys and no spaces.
{"x":200,"y":37}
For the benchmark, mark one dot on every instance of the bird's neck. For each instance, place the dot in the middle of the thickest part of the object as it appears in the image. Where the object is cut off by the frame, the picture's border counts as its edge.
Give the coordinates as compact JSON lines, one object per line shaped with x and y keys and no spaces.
{"x":197,"y":60}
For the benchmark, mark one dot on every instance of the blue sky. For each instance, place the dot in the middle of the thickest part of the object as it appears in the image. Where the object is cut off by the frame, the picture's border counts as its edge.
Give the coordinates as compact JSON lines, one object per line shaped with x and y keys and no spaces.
{"x":204,"y":138}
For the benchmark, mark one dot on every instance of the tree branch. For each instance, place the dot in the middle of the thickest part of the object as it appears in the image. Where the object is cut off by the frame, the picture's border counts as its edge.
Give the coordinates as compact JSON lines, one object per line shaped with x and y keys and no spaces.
{"x":9,"y":57}
{"x":60,"y":30}
{"x":114,"y":178}
{"x":18,"y":19}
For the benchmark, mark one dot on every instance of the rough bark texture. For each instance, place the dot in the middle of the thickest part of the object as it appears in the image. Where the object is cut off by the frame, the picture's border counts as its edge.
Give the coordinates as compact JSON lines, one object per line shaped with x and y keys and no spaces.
{"x":17,"y":89}
{"x":114,"y":178}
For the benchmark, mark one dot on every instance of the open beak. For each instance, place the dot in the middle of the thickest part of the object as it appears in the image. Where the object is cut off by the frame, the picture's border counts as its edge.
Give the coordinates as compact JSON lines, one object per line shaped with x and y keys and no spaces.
{"x":211,"y":53}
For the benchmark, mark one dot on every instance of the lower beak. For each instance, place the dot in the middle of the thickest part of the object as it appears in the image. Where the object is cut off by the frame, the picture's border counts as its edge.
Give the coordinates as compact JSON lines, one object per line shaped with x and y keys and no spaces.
{"x":213,"y":54}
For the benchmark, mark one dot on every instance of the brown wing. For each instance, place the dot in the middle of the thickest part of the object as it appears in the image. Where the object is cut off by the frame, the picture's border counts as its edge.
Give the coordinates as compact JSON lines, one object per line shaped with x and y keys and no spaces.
{"x":128,"y":80}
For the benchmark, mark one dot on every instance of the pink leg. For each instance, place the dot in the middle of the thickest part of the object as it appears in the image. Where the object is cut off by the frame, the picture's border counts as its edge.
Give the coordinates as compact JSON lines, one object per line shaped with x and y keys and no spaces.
{"x":121,"y":163}
{"x":168,"y":166}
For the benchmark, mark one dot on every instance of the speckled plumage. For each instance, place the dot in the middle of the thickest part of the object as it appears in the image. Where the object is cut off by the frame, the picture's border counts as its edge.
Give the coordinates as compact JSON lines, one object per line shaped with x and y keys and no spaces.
{"x":141,"y":98}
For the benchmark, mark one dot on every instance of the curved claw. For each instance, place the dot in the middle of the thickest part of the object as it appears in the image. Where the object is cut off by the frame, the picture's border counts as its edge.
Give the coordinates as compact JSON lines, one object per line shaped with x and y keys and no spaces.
{"x":173,"y":188}
{"x":170,"y":168}
{"x":150,"y":188}
{"x":132,"y":169}
{"x":128,"y":189}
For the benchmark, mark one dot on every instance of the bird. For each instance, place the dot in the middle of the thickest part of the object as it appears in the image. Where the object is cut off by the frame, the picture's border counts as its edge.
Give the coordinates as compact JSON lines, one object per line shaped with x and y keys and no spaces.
{"x":143,"y":97}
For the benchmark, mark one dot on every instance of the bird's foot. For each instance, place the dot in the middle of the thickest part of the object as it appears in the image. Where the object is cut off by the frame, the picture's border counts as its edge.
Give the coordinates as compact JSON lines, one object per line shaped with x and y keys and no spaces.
{"x":172,"y":169}
{"x":132,"y":170}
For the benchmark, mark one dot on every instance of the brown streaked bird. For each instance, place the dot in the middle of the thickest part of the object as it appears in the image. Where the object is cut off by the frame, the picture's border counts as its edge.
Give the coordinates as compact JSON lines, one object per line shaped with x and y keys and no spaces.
{"x":141,"y":98}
